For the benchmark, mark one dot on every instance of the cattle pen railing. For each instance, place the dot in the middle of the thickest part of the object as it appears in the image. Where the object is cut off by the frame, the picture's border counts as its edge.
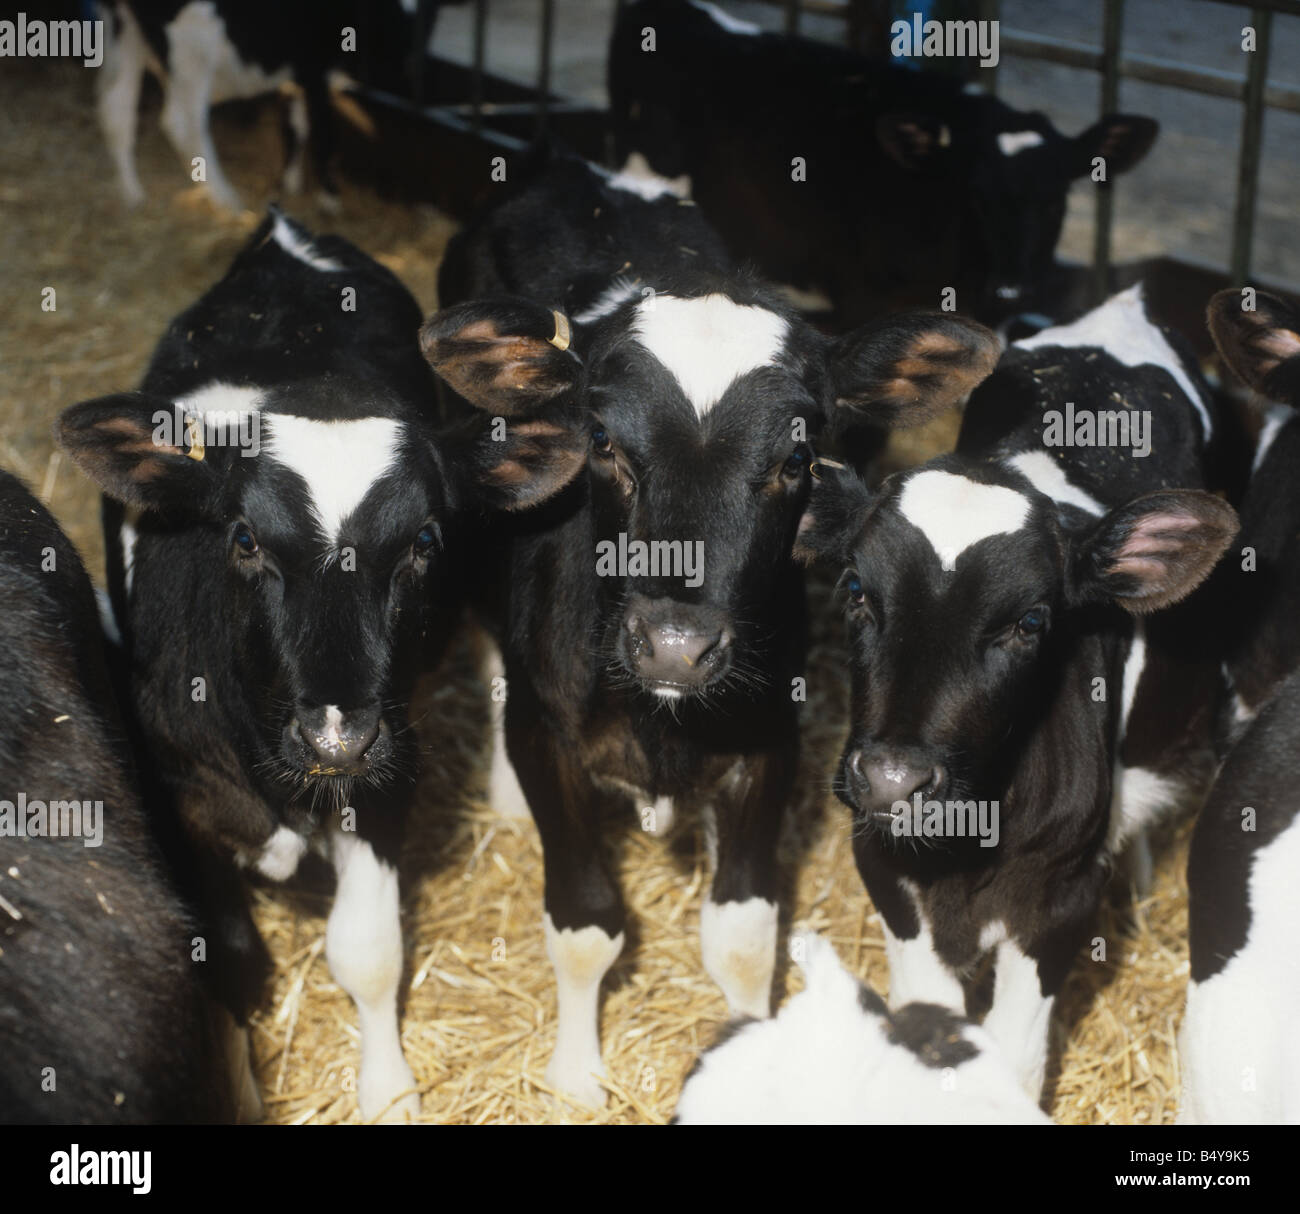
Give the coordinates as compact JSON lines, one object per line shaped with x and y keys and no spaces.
{"x":471,"y":109}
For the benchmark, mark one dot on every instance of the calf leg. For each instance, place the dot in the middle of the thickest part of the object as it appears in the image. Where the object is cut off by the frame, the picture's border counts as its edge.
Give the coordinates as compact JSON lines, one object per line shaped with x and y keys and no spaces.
{"x":185,"y":118}
{"x":297,"y":131}
{"x":738,"y":923}
{"x":363,"y":944}
{"x":504,"y":793}
{"x":119,"y":98}
{"x":1021,"y":1014}
{"x":584,"y":914}
{"x":320,"y":114}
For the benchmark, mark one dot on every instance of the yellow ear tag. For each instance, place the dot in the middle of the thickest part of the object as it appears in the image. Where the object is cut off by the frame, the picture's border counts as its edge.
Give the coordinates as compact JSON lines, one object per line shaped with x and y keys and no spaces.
{"x":194,"y":436}
{"x":817,"y":467}
{"x":561,"y":339}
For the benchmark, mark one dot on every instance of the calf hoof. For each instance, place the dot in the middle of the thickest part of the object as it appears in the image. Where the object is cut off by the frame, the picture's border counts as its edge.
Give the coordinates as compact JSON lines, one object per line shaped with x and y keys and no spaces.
{"x":577,"y":1081}
{"x":387,"y":1098}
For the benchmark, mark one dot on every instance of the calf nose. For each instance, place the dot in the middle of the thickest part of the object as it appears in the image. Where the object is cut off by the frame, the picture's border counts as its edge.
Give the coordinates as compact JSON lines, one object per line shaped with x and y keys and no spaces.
{"x":337,"y":742}
{"x":876,"y":780}
{"x":675,"y":652}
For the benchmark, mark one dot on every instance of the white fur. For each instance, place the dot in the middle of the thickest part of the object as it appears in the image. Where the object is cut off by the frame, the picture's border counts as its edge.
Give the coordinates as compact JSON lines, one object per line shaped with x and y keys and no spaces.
{"x":296,"y":246}
{"x":637,"y":177}
{"x":916,"y":975}
{"x":281,"y":854}
{"x":505,"y":794}
{"x":125,"y":59}
{"x":363,"y":944}
{"x":661,"y":821}
{"x":824,"y":1060}
{"x":127,"y":537}
{"x":581,"y":959}
{"x":733,"y":25}
{"x":953,"y":512}
{"x":738,"y":941}
{"x":1012,"y":143}
{"x":709,"y":341}
{"x":1276,"y":417}
{"x":1238,"y":1047}
{"x":216,"y":397}
{"x":1048,"y":477}
{"x":339,"y":461}
{"x":619,"y":291}
{"x":1020,"y":1017}
{"x":1120,"y":327}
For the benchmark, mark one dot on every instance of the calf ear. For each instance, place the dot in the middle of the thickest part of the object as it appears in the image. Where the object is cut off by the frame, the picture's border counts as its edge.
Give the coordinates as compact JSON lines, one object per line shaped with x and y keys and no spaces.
{"x":1120,"y":139}
{"x":914,"y":141}
{"x":128,"y":446}
{"x":1154,"y":550}
{"x":835,"y":509}
{"x":1262,"y":347}
{"x":905,"y":369}
{"x":505,"y":356}
{"x":523,"y":463}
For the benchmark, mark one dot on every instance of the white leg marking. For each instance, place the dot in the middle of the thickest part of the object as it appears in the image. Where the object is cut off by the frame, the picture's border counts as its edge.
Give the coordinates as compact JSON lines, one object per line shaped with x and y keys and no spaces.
{"x":363,"y":944}
{"x":581,"y":959}
{"x":239,"y":1061}
{"x":280,"y":854}
{"x":661,"y":819}
{"x":1019,"y":1018}
{"x":119,"y":97}
{"x":505,"y":795}
{"x":917,"y":975}
{"x":301,"y":127}
{"x":738,"y":940}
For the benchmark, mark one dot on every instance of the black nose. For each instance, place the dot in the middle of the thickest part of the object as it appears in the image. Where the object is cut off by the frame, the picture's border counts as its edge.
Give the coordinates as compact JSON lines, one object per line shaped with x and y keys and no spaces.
{"x":875,"y":780}
{"x":676,"y":646}
{"x":334,"y":742}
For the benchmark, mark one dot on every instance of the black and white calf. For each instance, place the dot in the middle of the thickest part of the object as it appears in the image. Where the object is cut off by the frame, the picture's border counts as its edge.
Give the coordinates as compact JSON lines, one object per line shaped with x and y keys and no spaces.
{"x":1262,"y":585}
{"x":835,"y":1055}
{"x":874,"y":183}
{"x":1012,"y":728}
{"x":103,"y":1015}
{"x":652,"y":618}
{"x":208,"y":51}
{"x":1237,"y":1046}
{"x":278,"y":588}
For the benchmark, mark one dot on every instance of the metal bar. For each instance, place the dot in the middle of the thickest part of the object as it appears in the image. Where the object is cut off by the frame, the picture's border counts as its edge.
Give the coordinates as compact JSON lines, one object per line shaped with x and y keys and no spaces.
{"x":990,"y":10}
{"x":480,"y":50}
{"x":1112,"y":33}
{"x":792,"y":8}
{"x":1151,"y":70}
{"x":513,"y":109}
{"x":544,"y":64}
{"x":1275,"y":6}
{"x":1252,"y":132}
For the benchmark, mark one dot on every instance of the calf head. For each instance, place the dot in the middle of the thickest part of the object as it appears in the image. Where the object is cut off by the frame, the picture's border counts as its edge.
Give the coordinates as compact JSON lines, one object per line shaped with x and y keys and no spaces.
{"x":1261,"y":345}
{"x":701,"y":414}
{"x":964,"y":587}
{"x":320,"y":543}
{"x":1011,"y":172}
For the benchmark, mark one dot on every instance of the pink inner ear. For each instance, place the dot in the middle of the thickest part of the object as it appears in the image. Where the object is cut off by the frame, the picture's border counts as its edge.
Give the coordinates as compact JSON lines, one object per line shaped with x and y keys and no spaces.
{"x":1152,"y":533}
{"x":1281,"y":343}
{"x":1139,"y":567}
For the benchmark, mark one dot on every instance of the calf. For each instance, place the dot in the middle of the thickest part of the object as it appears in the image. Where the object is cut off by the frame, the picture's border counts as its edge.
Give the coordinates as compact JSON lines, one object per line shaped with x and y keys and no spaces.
{"x":941,"y":188}
{"x":1237,"y":1048}
{"x":651,"y":618}
{"x":279,"y":588}
{"x":103,"y":1015}
{"x":208,"y":51}
{"x":835,"y":1055}
{"x":1262,"y":588}
{"x":1011,"y":728}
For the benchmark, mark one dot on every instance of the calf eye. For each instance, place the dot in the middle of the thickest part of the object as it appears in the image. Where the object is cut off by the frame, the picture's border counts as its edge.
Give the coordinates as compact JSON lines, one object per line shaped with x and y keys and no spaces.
{"x":245,"y":540}
{"x":798,"y":462}
{"x":1033,"y":621}
{"x":856,"y":591}
{"x":426,"y":540}
{"x":601,"y":442}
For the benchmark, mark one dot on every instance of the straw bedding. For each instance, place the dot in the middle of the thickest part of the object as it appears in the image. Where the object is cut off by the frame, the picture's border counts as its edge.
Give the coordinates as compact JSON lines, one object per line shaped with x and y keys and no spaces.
{"x":479,"y":1015}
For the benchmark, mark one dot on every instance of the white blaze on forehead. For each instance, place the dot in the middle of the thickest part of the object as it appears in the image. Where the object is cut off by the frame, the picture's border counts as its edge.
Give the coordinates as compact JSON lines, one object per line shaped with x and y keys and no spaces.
{"x":1012,"y":142}
{"x":953,"y":512}
{"x":1048,"y":477}
{"x":637,"y":177}
{"x":296,"y":246}
{"x":1123,"y":330}
{"x":339,"y":461}
{"x":230,"y":400}
{"x":709,"y":341}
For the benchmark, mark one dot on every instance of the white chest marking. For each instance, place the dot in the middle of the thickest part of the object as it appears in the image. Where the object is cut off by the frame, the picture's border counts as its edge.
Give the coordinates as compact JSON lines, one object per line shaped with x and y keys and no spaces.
{"x":708,"y":342}
{"x":1121,"y":328}
{"x":953,"y":512}
{"x":339,"y":461}
{"x":296,"y":246}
